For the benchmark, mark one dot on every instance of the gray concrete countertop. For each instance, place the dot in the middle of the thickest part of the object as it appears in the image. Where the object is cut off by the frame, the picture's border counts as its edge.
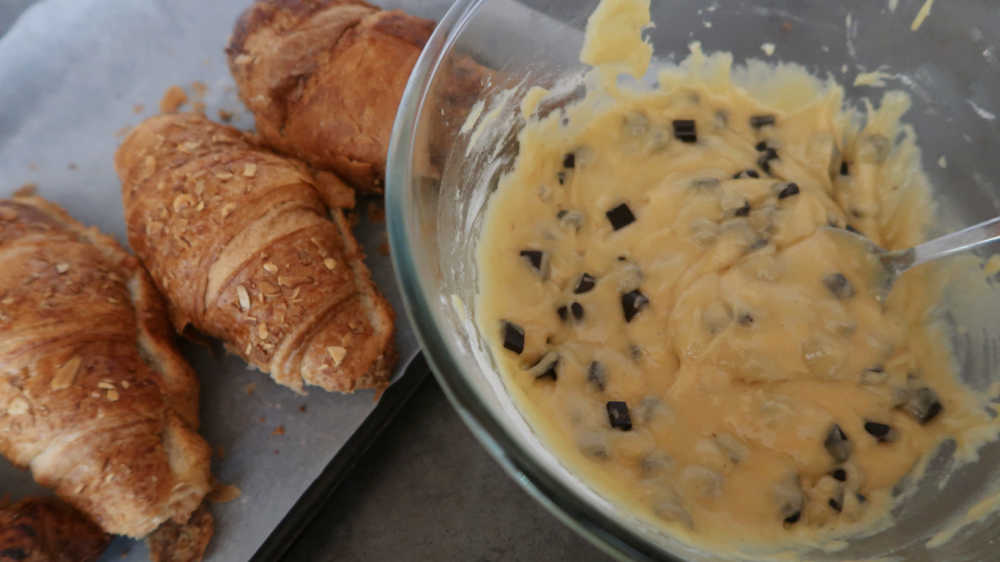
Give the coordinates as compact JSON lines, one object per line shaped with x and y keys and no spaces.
{"x":426,"y":490}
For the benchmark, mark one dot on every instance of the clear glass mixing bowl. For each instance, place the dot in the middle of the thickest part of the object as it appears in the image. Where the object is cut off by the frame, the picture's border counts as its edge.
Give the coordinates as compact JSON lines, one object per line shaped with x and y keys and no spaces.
{"x":440,"y":177}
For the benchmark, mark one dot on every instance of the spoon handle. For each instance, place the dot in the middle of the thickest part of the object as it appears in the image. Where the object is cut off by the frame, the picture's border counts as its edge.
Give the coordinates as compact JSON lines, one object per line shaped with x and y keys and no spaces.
{"x":965,"y":239}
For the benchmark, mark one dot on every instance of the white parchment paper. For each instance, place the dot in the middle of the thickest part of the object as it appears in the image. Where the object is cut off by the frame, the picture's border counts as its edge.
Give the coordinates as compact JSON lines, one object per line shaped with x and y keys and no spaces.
{"x":73,"y":74}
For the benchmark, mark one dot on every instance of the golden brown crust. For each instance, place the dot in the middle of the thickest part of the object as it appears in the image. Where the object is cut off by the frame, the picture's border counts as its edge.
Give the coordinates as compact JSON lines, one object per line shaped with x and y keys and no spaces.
{"x":47,"y":530}
{"x":93,"y":396}
{"x":182,"y":542}
{"x":241,"y":244}
{"x":324,"y":79}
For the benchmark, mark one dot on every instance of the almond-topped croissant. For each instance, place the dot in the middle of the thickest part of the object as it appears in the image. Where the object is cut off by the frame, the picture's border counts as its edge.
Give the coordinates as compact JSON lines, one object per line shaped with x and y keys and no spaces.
{"x":94,"y":398}
{"x":241,"y":244}
{"x":47,"y":530}
{"x":323,"y":79}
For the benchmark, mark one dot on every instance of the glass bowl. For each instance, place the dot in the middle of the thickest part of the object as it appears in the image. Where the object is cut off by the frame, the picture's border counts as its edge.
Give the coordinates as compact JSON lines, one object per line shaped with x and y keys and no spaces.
{"x":441,"y":172}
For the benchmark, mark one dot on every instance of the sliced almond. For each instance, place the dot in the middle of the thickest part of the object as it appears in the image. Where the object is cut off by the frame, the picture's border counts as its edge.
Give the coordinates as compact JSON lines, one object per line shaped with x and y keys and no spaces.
{"x":262,"y":330}
{"x":224,"y":175}
{"x":105,"y":385}
{"x":250,"y":170}
{"x":330,"y":263}
{"x":337,"y":353}
{"x":244,"y":297}
{"x":62,"y":268}
{"x":224,"y":493}
{"x":113,"y":395}
{"x":270,"y":267}
{"x":65,"y":374}
{"x":227,"y":209}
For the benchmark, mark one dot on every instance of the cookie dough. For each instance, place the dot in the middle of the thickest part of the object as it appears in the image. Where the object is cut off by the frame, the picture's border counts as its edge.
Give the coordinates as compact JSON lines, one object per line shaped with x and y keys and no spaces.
{"x":664,"y":292}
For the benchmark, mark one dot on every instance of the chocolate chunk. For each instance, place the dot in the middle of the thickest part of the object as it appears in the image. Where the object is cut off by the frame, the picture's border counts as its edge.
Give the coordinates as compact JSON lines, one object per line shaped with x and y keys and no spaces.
{"x":793,"y":518}
{"x":569,"y":161}
{"x":584,"y":284}
{"x":577,"y":310}
{"x":839,"y":474}
{"x":620,"y":217}
{"x":923,"y":405}
{"x":835,"y":505}
{"x":839,"y":286}
{"x":563,"y":312}
{"x":618,"y":416}
{"x":844,"y":169}
{"x":745,"y":319}
{"x":790,"y":189}
{"x":684,"y":130}
{"x":743,"y":211}
{"x":632,"y":303}
{"x":513,"y":337}
{"x":758,"y":121}
{"x":764,"y":160}
{"x":561,"y":177}
{"x":535,"y":257}
{"x":546,"y":367}
{"x":596,"y":376}
{"x":837,"y":443}
{"x":861,"y":497}
{"x":746,"y":174}
{"x":880,"y":431}
{"x":761,"y":146}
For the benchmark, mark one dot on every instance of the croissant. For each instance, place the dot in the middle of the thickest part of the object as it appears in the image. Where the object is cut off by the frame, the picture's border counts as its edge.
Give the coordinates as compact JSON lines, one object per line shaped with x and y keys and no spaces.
{"x":242,"y":246}
{"x":323,"y":79}
{"x":47,"y":530}
{"x":93,"y":396}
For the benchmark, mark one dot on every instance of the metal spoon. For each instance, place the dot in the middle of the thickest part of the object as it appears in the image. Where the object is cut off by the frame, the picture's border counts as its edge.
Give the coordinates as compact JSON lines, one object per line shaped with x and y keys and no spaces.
{"x":897,"y":262}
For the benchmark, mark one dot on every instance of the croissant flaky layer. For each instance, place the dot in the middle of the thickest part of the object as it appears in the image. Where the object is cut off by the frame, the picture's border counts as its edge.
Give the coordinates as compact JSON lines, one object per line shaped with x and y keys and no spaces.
{"x":94,"y":399}
{"x":324,"y":79}
{"x":243,"y":247}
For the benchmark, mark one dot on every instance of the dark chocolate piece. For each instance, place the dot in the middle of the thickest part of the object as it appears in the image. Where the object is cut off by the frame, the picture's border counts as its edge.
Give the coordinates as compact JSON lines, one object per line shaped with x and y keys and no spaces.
{"x":761,"y":146}
{"x":844,"y":168}
{"x":745,"y":319}
{"x":513,"y":337}
{"x":837,"y":443}
{"x":789,"y":190}
{"x":881,"y":431}
{"x":835,"y":505}
{"x":743,"y":211}
{"x":839,"y":474}
{"x":746,"y":174}
{"x":684,"y":130}
{"x":584,"y":284}
{"x":561,"y":177}
{"x":632,"y":303}
{"x":758,"y":121}
{"x":793,"y":518}
{"x":923,"y":405}
{"x":620,"y":217}
{"x":577,"y":310}
{"x":546,"y":367}
{"x":569,"y":161}
{"x":764,"y":160}
{"x":618,"y":415}
{"x":563,"y":312}
{"x":534,"y":257}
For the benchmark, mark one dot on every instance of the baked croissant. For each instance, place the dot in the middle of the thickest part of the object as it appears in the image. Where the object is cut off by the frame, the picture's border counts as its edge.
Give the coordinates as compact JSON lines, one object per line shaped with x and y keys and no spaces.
{"x":47,"y":530}
{"x":241,"y":244}
{"x":94,"y":399}
{"x":323,"y":79}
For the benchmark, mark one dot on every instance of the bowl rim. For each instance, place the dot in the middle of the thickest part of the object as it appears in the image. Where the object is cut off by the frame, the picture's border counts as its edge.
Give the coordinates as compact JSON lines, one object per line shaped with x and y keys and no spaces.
{"x":606,"y":533}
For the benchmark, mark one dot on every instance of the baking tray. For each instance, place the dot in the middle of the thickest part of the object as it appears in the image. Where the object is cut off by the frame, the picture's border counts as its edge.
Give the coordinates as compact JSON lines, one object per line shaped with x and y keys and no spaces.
{"x":74,"y":75}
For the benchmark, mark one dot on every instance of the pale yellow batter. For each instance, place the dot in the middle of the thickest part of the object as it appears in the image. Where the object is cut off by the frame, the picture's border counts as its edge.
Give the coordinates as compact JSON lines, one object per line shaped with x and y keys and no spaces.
{"x":663,"y":293}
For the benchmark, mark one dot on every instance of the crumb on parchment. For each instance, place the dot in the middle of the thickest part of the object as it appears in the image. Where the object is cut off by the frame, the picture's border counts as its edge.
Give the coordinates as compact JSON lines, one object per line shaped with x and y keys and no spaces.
{"x":172,"y":100}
